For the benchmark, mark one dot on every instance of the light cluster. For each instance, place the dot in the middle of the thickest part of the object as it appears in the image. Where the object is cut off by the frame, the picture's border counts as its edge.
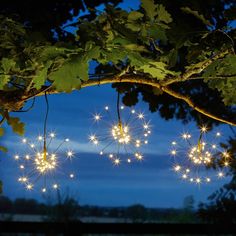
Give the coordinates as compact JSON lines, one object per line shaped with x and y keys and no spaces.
{"x":40,"y":167}
{"x":193,"y":155}
{"x":120,"y":139}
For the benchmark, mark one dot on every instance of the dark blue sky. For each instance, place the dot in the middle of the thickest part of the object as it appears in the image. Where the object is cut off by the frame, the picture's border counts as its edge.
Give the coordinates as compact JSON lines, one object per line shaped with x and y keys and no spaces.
{"x":151,"y":182}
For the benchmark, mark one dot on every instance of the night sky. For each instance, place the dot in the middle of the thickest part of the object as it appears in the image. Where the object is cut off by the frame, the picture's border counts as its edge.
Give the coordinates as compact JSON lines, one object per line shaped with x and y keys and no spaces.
{"x":150,"y":182}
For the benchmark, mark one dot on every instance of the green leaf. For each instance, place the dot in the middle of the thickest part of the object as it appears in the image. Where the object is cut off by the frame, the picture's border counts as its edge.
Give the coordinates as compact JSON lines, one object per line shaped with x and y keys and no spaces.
{"x":67,"y":77}
{"x":133,"y":26}
{"x":1,"y":131}
{"x":134,"y":15}
{"x":3,"y":80}
{"x":93,"y":53}
{"x":137,"y":60}
{"x":135,"y":47}
{"x":3,"y":149}
{"x":221,"y":75}
{"x":74,"y":70}
{"x":7,"y":64}
{"x":158,"y":33}
{"x":114,"y":55}
{"x":163,"y":15}
{"x":157,"y":70}
{"x":157,"y":91}
{"x":17,"y":125}
{"x":150,"y":8}
{"x":51,"y":52}
{"x":41,"y":76}
{"x":196,"y":14}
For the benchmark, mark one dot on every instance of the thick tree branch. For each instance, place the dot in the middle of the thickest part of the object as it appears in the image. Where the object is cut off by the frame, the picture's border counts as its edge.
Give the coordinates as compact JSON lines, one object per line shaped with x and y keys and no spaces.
{"x":196,"y":69}
{"x":127,"y":78}
{"x":194,"y":106}
{"x":140,"y":79}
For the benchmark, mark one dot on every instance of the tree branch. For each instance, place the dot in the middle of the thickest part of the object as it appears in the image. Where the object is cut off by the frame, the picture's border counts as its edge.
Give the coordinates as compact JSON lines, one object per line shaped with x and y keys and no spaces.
{"x":140,"y":79}
{"x":196,"y":69}
{"x":194,"y":106}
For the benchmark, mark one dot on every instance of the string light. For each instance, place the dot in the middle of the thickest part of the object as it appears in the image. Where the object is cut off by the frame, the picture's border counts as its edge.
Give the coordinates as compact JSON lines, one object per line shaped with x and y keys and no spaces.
{"x":194,"y":154}
{"x":122,"y":139}
{"x":40,"y":170}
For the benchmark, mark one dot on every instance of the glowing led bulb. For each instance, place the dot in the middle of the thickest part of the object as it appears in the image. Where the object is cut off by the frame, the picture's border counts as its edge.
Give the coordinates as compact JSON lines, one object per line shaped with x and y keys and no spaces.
{"x":40,"y":138}
{"x":198,"y":180}
{"x":184,"y":176}
{"x":44,"y":190}
{"x":97,"y":117}
{"x":186,"y":136}
{"x":29,"y":186}
{"x":208,"y":180}
{"x":24,"y":140}
{"x":55,"y":186}
{"x":117,"y":161}
{"x":226,"y":163}
{"x":140,"y":115}
{"x":203,"y":129}
{"x":177,"y":168}
{"x":173,"y":152}
{"x":72,"y":176}
{"x":16,"y":157}
{"x":106,"y":108}
{"x":220,"y":174}
{"x":70,"y":154}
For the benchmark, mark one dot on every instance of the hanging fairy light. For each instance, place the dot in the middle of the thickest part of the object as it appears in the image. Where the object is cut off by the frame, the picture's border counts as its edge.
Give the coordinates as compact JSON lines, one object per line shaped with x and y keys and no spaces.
{"x":194,"y":155}
{"x":41,"y":169}
{"x":42,"y":159}
{"x":120,"y":135}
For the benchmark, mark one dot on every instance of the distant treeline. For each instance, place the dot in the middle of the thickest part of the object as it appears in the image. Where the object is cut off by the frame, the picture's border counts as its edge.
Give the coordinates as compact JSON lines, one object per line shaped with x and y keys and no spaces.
{"x":69,"y":209}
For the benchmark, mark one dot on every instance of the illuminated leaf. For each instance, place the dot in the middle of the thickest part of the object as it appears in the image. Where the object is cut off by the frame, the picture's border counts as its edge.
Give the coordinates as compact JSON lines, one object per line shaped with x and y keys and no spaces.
{"x":150,"y":8}
{"x":156,"y":70}
{"x":7,"y":64}
{"x":134,"y":15}
{"x":163,"y":15}
{"x":196,"y":14}
{"x":1,"y":131}
{"x":4,"y":80}
{"x":3,"y":149}
{"x":16,"y":124}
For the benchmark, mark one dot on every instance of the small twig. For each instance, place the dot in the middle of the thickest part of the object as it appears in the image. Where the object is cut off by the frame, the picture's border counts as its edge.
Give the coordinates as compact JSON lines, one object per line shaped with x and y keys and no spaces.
{"x":30,"y":108}
{"x":2,"y":120}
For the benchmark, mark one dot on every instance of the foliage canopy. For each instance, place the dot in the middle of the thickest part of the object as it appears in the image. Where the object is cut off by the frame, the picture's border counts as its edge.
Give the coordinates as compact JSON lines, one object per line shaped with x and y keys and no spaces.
{"x":178,"y":55}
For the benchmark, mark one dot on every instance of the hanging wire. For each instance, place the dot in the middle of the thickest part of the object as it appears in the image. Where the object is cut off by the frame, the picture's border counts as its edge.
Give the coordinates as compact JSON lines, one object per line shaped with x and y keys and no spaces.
{"x":118,"y":114}
{"x":28,"y":109}
{"x":45,"y":128}
{"x":118,"y":107}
